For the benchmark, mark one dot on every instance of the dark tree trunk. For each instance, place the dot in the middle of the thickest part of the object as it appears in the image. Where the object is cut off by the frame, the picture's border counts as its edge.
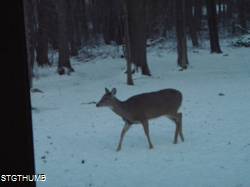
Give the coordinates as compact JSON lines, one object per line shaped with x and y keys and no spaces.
{"x":30,"y":22}
{"x":73,"y":27}
{"x":128,"y":44}
{"x":181,"y":34}
{"x":222,"y":13}
{"x":242,"y":15}
{"x":42,"y":34}
{"x":108,"y":17}
{"x":83,"y":21}
{"x":168,"y":21}
{"x":220,"y":7}
{"x":228,"y":12}
{"x":229,"y":9}
{"x":192,"y":23}
{"x":106,"y":20}
{"x":213,"y":27}
{"x":96,"y":10}
{"x":52,"y":25}
{"x":198,"y":14}
{"x":64,"y":65}
{"x":137,"y":31}
{"x":230,"y":17}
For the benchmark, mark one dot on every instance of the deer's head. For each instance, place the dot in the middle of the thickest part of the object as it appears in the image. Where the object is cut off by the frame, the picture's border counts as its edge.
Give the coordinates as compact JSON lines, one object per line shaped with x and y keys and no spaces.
{"x":107,"y":99}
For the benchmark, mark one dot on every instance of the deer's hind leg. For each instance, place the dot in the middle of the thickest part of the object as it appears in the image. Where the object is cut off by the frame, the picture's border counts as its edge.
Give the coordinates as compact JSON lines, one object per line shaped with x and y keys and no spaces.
{"x":146,"y":130}
{"x":177,"y":119}
{"x":180,"y":126}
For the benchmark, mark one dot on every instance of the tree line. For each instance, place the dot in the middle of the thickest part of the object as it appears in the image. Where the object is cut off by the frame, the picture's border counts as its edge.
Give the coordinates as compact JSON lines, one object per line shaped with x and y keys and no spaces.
{"x":67,"y":26}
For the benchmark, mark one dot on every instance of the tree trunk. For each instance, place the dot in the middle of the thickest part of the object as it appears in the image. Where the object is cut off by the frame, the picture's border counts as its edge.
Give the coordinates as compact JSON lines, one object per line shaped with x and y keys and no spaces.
{"x":29,"y":20}
{"x":242,"y":16}
{"x":42,"y":34}
{"x":192,"y":23}
{"x":73,"y":28}
{"x":128,"y":45}
{"x":213,"y":27}
{"x":137,"y":31}
{"x":83,"y":21}
{"x":168,"y":21}
{"x":198,"y":13}
{"x":220,"y":7}
{"x":182,"y":59}
{"x":64,"y":65}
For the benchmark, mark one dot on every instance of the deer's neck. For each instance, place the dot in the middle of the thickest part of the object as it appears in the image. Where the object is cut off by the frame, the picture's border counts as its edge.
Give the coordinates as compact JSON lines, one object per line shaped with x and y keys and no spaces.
{"x":119,"y":108}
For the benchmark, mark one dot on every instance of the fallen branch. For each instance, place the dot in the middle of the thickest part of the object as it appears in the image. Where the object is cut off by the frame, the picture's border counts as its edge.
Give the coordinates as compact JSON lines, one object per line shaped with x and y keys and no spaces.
{"x":36,"y":90}
{"x":88,"y":103}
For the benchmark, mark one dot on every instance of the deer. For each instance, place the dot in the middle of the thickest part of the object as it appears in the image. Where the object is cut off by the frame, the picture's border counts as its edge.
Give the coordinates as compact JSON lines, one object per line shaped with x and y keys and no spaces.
{"x":139,"y":109}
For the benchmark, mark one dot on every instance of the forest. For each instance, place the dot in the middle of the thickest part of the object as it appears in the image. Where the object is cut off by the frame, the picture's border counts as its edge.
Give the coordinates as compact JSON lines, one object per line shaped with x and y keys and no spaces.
{"x":65,"y":27}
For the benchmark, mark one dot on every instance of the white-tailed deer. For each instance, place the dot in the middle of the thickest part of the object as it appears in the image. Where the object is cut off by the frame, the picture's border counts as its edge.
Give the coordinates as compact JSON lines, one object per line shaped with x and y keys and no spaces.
{"x":143,"y":107}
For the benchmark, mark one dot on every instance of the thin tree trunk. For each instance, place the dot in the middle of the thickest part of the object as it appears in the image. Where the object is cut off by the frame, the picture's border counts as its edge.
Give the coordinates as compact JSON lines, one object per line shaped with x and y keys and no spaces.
{"x":73,"y":29}
{"x":29,"y":20}
{"x":83,"y":21}
{"x":42,"y":47}
{"x":198,"y":13}
{"x":191,"y":23}
{"x":128,"y":44}
{"x":182,"y":59}
{"x":242,"y":15}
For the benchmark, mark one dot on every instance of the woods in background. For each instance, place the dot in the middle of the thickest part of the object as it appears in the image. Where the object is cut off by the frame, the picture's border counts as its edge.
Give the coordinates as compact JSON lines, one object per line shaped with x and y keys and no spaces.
{"x":67,"y":26}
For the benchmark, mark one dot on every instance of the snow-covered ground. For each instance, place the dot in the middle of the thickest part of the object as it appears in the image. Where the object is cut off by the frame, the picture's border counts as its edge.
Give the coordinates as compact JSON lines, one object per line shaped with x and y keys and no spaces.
{"x":75,"y":142}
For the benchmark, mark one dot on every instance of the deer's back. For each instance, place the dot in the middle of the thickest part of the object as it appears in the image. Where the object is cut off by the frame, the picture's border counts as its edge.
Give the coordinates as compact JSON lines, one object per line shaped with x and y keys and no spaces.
{"x":154,"y":104}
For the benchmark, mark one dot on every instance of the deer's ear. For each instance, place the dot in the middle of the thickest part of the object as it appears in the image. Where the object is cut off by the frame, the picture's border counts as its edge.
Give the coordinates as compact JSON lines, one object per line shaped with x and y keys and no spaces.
{"x":106,"y":90}
{"x":113,"y":91}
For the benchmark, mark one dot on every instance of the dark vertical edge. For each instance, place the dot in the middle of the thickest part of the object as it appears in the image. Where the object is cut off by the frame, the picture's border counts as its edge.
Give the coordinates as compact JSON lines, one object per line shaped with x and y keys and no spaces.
{"x":17,"y":148}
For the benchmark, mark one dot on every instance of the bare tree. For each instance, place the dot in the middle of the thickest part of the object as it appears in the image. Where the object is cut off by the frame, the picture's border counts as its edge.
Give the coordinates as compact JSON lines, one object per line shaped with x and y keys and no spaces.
{"x":198,"y":13}
{"x":42,"y":45}
{"x":137,"y":34}
{"x":127,"y":41}
{"x":64,"y":65}
{"x":30,"y":29}
{"x":192,"y":23}
{"x":182,"y":59}
{"x":242,"y":8}
{"x":213,"y":27}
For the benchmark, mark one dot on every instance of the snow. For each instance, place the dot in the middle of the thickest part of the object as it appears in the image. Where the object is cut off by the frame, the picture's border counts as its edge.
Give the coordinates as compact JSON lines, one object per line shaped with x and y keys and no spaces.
{"x":75,"y":142}
{"x":242,"y":41}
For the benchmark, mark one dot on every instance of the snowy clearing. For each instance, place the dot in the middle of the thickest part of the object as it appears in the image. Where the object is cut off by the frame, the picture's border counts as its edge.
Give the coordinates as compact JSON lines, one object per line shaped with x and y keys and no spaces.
{"x":75,"y":142}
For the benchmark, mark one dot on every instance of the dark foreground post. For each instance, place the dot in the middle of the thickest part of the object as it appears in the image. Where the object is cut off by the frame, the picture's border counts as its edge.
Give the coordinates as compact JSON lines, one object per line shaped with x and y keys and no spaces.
{"x":17,"y":149}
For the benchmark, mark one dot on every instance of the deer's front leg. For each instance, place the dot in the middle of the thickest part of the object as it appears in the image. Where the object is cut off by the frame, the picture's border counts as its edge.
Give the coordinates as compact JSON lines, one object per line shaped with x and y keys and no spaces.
{"x":124,"y":130}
